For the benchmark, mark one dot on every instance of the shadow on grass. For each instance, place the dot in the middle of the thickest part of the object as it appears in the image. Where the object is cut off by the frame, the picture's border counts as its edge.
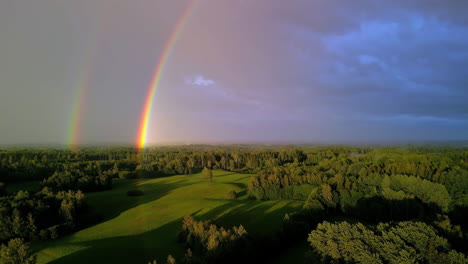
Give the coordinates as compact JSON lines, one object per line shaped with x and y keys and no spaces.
{"x":109,"y":204}
{"x":237,"y":184}
{"x":225,"y":173}
{"x":222,"y":173}
{"x":256,"y":216}
{"x":241,"y":193}
{"x":156,"y":244}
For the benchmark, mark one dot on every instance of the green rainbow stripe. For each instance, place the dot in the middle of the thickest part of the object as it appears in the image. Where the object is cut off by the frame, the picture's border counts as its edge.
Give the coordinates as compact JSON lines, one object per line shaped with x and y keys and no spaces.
{"x":78,"y":105}
{"x":168,"y":48}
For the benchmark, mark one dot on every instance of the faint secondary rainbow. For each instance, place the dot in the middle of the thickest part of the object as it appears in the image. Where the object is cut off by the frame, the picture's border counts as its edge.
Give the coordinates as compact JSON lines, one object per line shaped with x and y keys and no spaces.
{"x":80,"y":94}
{"x":168,"y":47}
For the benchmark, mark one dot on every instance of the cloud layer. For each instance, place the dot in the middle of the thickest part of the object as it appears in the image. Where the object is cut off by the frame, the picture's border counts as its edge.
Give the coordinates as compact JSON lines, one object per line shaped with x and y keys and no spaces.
{"x":294,"y":71}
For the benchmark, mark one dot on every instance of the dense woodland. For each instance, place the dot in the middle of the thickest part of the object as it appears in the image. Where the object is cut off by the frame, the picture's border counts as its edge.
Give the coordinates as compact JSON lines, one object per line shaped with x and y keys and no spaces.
{"x":396,"y":204}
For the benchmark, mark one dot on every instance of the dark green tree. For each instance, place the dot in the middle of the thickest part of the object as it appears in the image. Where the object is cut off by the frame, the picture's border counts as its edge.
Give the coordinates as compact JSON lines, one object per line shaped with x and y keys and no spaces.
{"x":208,"y":173}
{"x":16,"y":252}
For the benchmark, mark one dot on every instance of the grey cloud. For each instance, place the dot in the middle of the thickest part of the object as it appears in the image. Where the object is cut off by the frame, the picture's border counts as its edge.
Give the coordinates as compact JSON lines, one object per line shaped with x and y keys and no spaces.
{"x":269,"y":69}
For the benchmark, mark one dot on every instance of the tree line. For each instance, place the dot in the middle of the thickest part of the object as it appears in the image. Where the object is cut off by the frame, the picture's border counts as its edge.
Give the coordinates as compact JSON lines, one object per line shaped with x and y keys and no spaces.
{"x":380,"y":187}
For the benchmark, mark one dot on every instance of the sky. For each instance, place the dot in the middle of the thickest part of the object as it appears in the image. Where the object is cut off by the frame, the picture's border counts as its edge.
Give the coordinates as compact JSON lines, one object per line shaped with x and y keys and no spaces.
{"x":240,"y":71}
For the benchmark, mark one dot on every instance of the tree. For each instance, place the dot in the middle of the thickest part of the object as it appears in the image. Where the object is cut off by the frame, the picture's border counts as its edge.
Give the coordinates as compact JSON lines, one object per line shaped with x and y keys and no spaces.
{"x":170,"y":260}
{"x":17,"y":223}
{"x":232,"y":195}
{"x":208,"y":173}
{"x":16,"y":252}
{"x":327,"y":195}
{"x":403,"y":242}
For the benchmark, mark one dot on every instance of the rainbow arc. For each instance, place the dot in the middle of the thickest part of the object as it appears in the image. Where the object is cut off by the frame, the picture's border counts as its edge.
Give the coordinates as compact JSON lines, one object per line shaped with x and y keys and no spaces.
{"x":145,"y":118}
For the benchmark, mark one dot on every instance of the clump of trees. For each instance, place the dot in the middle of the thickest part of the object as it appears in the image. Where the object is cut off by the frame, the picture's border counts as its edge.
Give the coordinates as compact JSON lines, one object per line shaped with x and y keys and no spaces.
{"x":403,"y":242}
{"x":211,"y":243}
{"x":40,"y":164}
{"x":427,"y":184}
{"x":78,"y":180}
{"x":207,"y":243}
{"x":379,"y":185}
{"x":372,"y":185}
{"x":292,"y":181}
{"x":16,"y":251}
{"x":383,"y":198}
{"x":43,"y":215}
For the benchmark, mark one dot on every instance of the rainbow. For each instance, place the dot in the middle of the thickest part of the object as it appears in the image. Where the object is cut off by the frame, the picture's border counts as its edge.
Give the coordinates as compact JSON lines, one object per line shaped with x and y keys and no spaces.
{"x":79,"y":100}
{"x":76,"y":116}
{"x":78,"y":105}
{"x":168,"y":48}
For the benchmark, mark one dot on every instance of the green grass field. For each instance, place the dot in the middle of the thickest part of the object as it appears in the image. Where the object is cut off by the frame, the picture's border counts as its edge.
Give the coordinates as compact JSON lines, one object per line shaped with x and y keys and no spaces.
{"x":140,"y":229}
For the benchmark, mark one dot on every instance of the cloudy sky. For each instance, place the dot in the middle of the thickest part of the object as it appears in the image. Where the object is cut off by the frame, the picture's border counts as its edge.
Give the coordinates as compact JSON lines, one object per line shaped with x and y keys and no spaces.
{"x":240,"y":70}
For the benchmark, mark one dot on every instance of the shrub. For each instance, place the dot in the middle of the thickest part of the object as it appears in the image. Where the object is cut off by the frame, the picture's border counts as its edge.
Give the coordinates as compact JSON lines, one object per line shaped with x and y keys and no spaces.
{"x":53,"y":231}
{"x":44,"y":234}
{"x":135,"y":193}
{"x":232,"y":195}
{"x":127,"y":175}
{"x":16,"y":251}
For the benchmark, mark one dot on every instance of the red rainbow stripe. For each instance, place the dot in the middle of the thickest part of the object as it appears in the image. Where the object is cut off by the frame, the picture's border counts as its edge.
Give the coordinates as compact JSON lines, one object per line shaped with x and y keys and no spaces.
{"x":168,"y":47}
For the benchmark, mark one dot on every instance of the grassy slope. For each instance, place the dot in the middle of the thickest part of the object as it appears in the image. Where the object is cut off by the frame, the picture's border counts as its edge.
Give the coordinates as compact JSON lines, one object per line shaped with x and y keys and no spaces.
{"x":139,"y":229}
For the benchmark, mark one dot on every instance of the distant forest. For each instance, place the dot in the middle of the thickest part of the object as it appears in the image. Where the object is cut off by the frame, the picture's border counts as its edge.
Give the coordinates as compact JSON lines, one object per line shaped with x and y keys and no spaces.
{"x":398,"y":204}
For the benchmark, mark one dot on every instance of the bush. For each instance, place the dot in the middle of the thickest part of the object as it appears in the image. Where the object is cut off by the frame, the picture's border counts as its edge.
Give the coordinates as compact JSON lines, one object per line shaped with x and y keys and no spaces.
{"x":232,"y":195}
{"x":44,"y":234}
{"x":16,"y":251}
{"x":53,"y":231}
{"x":135,"y":193}
{"x":127,"y":175}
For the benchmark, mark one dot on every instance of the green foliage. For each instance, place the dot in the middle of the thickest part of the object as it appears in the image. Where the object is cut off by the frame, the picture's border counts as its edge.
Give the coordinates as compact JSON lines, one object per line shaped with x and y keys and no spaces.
{"x":78,"y":180}
{"x":146,"y":227}
{"x":127,"y":175}
{"x":170,"y":260}
{"x":232,"y":195}
{"x":423,"y":189}
{"x":214,"y":243}
{"x":16,"y":251}
{"x":43,"y":215}
{"x":404,"y":242}
{"x":207,"y":173}
{"x":372,"y":184}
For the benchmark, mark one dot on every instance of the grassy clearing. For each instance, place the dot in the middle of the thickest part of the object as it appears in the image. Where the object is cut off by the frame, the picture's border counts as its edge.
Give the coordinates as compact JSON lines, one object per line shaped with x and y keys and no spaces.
{"x":142,"y":228}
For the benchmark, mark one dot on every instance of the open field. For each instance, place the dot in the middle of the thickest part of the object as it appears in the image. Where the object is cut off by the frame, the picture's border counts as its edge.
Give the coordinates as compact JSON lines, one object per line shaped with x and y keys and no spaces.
{"x":139,"y":229}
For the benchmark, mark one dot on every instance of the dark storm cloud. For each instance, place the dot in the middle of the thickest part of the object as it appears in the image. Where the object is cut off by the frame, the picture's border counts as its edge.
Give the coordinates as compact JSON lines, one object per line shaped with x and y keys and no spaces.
{"x":268,"y":70}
